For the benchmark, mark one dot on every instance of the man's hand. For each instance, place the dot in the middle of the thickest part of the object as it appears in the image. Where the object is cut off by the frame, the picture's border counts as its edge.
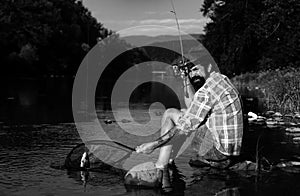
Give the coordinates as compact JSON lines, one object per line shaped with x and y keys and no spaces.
{"x":186,"y":81}
{"x":146,"y":148}
{"x":150,"y":146}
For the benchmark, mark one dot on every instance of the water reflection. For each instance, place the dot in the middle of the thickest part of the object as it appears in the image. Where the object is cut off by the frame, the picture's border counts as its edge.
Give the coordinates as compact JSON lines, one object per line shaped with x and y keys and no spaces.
{"x":33,"y":101}
{"x":111,"y":180}
{"x":216,"y":182}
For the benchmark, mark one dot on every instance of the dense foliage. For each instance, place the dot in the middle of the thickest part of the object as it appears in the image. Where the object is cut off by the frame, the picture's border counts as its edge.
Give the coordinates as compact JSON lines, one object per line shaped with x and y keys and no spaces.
{"x":45,"y":36}
{"x":252,"y":35}
{"x":52,"y":36}
{"x":278,"y":89}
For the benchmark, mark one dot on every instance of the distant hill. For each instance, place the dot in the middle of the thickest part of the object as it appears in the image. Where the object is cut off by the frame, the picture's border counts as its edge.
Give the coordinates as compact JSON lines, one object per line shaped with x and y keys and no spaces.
{"x":165,"y":41}
{"x":142,"y":39}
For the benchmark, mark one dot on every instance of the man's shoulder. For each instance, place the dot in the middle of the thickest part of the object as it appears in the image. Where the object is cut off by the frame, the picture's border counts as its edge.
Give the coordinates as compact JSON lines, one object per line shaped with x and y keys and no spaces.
{"x":220,"y":83}
{"x":216,"y":79}
{"x":217,"y":75}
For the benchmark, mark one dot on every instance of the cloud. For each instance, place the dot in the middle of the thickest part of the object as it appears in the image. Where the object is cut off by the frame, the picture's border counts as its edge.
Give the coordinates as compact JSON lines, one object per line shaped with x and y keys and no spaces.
{"x":149,"y":30}
{"x":155,"y":30}
{"x":191,"y":25}
{"x":170,"y":21}
{"x":187,"y":25}
{"x":157,"y":21}
{"x":167,"y":21}
{"x":121,"y":22}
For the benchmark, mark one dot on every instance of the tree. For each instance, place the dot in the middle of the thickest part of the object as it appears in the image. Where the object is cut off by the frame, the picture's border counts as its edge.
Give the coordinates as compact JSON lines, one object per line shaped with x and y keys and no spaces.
{"x":278,"y":32}
{"x":230,"y":35}
{"x":246,"y":35}
{"x":54,"y":31}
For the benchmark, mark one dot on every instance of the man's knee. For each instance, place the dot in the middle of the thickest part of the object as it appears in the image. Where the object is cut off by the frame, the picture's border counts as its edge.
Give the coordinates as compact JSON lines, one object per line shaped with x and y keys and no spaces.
{"x":171,"y":113}
{"x":170,"y":118}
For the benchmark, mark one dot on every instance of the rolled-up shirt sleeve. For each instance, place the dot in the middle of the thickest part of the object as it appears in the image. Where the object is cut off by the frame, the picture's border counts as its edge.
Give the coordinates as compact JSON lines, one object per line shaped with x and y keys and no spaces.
{"x":197,"y":111}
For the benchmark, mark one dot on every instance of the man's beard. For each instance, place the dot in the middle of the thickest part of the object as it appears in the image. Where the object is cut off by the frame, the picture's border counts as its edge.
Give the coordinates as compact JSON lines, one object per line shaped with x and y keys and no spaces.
{"x":197,"y":82}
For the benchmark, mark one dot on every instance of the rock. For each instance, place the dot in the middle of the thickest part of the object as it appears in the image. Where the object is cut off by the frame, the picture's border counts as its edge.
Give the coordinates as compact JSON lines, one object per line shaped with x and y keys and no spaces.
{"x":252,"y":116}
{"x":277,"y":114}
{"x":144,"y":175}
{"x":244,"y":166}
{"x":296,"y":134}
{"x":295,"y":163}
{"x":278,"y":119}
{"x":125,"y":121}
{"x":291,"y":123}
{"x":296,"y":139}
{"x":107,"y":121}
{"x":271,"y":122}
{"x":261,"y":118}
{"x":288,"y":116}
{"x":269,"y":113}
{"x":293,"y":129}
{"x":289,"y":166}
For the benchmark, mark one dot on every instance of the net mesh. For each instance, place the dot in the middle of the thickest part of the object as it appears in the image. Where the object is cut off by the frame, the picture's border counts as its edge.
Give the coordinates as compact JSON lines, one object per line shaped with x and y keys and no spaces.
{"x":101,"y":155}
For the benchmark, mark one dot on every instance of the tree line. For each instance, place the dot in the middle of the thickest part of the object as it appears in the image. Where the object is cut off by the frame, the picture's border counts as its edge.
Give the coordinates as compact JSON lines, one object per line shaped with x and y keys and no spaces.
{"x":252,"y":35}
{"x":45,"y":36}
{"x":40,"y":37}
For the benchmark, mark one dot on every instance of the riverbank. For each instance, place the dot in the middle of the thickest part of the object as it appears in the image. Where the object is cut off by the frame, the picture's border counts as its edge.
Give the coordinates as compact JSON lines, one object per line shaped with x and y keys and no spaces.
{"x":275,"y":90}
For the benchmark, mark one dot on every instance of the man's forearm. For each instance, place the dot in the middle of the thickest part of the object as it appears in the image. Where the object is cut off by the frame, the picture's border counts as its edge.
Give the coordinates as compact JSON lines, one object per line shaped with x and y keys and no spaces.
{"x":188,"y":99}
{"x":172,"y":133}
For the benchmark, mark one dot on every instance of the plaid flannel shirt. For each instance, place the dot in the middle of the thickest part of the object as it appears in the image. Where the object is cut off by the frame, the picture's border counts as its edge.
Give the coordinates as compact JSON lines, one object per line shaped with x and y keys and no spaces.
{"x":217,"y":104}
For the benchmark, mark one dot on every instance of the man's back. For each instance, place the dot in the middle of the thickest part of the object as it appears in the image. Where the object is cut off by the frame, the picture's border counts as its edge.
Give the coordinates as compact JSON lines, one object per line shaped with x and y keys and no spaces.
{"x":226,"y":117}
{"x":217,"y":103}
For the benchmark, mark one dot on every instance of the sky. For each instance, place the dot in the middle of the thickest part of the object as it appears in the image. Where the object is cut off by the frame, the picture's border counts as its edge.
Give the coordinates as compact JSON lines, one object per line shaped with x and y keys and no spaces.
{"x":118,"y":15}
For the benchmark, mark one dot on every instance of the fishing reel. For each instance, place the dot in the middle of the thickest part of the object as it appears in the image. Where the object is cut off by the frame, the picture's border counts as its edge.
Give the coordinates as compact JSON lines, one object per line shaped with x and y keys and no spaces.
{"x":182,"y":69}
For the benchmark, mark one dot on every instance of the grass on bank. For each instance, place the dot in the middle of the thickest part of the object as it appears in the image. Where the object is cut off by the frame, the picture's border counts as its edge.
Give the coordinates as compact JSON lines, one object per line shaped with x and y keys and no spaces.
{"x":277,"y":90}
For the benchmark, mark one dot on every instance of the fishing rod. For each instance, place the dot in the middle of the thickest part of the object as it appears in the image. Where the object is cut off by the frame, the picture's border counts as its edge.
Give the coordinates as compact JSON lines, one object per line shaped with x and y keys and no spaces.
{"x":181,"y":68}
{"x":178,"y":27}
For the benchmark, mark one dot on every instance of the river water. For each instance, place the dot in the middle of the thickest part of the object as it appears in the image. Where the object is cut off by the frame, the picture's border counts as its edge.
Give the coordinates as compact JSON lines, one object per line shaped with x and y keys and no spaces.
{"x":27,"y":151}
{"x":33,"y":136}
